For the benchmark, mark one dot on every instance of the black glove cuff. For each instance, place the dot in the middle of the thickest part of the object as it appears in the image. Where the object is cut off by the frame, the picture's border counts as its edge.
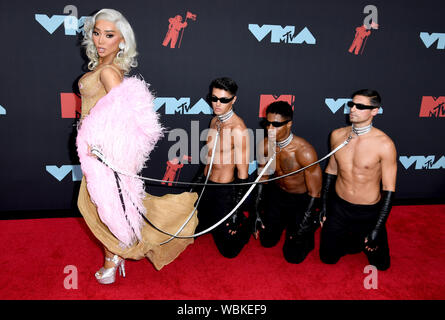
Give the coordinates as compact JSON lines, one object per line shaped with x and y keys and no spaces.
{"x":387,"y":199}
{"x":314,"y":204}
{"x":259,"y":195}
{"x":240,"y":191}
{"x":310,"y":218}
{"x":313,"y":209}
{"x":328,"y":187}
{"x":329,"y":182}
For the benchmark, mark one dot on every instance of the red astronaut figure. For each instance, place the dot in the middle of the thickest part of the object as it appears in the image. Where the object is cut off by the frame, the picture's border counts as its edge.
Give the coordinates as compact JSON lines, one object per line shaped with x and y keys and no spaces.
{"x":172,"y":168}
{"x":361,"y":35}
{"x":174,"y":27}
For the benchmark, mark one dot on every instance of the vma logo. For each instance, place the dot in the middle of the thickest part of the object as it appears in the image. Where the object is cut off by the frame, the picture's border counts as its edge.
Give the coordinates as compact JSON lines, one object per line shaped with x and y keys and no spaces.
{"x":71,"y":23}
{"x":422,"y":162}
{"x":63,"y":171}
{"x":335,"y":104}
{"x":253,"y":166}
{"x":432,"y":107}
{"x":429,"y":39}
{"x":70,"y":105}
{"x":2,"y":111}
{"x":282,"y":35}
{"x":267,"y":99}
{"x":182,"y":106}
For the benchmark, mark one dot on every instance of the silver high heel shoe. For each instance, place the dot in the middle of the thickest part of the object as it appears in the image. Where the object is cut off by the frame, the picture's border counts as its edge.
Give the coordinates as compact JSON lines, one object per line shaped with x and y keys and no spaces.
{"x":108,"y":275}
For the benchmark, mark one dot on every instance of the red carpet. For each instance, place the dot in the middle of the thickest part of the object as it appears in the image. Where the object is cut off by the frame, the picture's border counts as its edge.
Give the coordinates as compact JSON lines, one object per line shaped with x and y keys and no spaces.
{"x":34,"y":254}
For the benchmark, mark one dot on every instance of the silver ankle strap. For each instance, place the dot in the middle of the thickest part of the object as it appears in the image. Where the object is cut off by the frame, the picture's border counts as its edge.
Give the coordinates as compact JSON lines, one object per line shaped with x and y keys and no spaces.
{"x":115,"y":259}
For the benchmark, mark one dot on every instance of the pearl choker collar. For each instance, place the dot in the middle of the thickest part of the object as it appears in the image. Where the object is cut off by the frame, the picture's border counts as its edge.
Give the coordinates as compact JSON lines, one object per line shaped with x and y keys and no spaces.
{"x":283,"y":144}
{"x":226,"y":116}
{"x":362,"y":130}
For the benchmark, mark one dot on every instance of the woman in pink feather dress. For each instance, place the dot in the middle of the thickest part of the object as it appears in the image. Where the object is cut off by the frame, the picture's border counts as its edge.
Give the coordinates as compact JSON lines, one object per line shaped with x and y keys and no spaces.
{"x":118,"y":119}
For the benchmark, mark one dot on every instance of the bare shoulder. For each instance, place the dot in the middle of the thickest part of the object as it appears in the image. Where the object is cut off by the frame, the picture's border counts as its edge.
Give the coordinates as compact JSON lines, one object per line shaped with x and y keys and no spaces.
{"x":239,"y":123}
{"x":110,"y":77}
{"x":109,"y":71}
{"x":238,"y":126}
{"x":304,"y":149}
{"x":340,"y":131}
{"x":385,"y":143}
{"x":302,"y":143}
{"x":339,"y":135}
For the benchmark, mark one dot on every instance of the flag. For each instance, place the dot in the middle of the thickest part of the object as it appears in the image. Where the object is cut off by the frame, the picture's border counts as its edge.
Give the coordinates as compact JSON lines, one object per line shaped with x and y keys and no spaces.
{"x":191,"y":16}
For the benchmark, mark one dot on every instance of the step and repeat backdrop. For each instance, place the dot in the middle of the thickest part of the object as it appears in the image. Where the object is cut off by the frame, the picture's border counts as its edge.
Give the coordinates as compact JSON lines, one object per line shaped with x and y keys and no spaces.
{"x":313,"y":54}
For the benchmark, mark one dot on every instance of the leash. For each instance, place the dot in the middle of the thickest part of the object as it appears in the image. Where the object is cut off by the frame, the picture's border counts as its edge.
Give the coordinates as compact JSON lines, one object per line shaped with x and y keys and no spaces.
{"x":102,"y":159}
{"x":216,"y":224}
{"x":200,"y":195}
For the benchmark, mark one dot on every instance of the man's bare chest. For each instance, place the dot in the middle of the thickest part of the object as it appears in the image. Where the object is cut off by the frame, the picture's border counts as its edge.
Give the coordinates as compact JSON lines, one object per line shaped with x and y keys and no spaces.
{"x":286,"y":162}
{"x":224,"y":139}
{"x":359,"y":155}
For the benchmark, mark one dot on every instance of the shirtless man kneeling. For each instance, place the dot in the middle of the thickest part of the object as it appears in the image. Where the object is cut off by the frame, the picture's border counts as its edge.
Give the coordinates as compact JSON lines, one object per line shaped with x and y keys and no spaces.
{"x":289,"y":203}
{"x":359,"y":187}
{"x":231,"y":162}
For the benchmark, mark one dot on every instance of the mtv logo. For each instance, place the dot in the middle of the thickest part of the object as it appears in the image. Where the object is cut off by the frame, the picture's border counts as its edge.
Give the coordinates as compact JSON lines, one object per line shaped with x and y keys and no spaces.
{"x":63,"y":171}
{"x":182,"y":106}
{"x":267,"y":99}
{"x":70,"y":105}
{"x":429,"y":39}
{"x":335,"y":104}
{"x":2,"y":111}
{"x":422,"y":162}
{"x":432,"y":107}
{"x":281,"y":35}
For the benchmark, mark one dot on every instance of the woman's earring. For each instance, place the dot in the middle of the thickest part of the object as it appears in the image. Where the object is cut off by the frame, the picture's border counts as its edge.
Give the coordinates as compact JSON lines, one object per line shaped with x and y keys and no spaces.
{"x":121,"y":51}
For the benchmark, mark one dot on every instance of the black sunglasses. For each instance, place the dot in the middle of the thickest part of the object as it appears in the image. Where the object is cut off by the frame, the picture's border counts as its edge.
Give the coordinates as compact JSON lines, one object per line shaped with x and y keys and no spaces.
{"x":223,"y":100}
{"x":265,"y":123}
{"x":359,"y":106}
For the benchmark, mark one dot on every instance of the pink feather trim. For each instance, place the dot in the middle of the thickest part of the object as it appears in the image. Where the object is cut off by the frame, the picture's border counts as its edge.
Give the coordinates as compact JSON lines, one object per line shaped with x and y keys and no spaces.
{"x":125,"y":127}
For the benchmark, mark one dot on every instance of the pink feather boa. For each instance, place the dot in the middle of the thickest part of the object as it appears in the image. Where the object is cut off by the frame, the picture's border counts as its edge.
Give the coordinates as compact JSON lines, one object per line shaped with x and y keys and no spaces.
{"x":125,"y":128}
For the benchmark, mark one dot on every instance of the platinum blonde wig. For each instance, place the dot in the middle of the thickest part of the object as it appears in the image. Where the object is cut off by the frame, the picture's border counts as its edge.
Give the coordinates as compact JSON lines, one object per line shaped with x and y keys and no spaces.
{"x":126,"y":58}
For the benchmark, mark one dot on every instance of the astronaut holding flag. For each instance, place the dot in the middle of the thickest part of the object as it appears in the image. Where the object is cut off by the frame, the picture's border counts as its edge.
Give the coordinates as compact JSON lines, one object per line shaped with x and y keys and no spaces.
{"x":175,"y":26}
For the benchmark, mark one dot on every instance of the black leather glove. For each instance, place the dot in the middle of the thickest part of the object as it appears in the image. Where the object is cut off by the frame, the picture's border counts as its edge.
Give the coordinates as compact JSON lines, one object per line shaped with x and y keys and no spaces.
{"x":328,"y":187}
{"x":259,"y":207}
{"x":238,"y":216}
{"x":374,"y":236}
{"x":310,"y":220}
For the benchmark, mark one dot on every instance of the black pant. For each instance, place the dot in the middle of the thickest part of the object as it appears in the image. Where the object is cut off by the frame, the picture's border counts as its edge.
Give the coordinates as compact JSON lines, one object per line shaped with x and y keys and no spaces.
{"x":216,"y":203}
{"x":285,"y":211}
{"x":345,"y":230}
